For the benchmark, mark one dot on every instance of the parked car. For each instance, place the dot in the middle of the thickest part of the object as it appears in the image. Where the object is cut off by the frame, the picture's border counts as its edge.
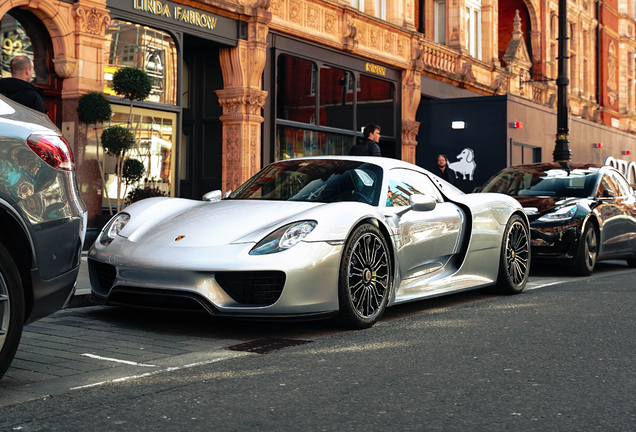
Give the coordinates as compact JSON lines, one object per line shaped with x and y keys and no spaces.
{"x":579,"y":213}
{"x":43,"y":221}
{"x":312,"y":238}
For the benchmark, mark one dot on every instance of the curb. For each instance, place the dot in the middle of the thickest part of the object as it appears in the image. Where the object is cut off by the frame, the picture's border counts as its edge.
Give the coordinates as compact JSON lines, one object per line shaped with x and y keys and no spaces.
{"x":82,"y":300}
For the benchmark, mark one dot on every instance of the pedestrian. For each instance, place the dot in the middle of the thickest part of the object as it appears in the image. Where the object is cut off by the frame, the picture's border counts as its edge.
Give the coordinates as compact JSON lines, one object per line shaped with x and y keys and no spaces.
{"x":442,"y":170}
{"x":19,"y":87}
{"x":369,"y":146}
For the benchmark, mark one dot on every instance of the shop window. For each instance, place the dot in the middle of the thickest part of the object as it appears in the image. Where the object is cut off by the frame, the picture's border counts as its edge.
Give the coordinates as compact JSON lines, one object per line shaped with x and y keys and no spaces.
{"x":376,"y":100}
{"x":293,"y":142}
{"x":335,"y":104}
{"x":153,"y":50}
{"x":155,"y":142}
{"x":336,"y":98}
{"x":296,"y":99}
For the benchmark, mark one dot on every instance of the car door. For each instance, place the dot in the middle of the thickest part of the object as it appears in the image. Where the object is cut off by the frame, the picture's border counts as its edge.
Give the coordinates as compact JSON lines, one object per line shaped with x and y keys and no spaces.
{"x":427,"y":239}
{"x":627,"y":204}
{"x":610,"y":210}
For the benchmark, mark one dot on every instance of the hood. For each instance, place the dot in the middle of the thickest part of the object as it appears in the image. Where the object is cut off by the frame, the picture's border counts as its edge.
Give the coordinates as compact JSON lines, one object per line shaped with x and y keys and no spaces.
{"x":218,"y":223}
{"x":545,"y":204}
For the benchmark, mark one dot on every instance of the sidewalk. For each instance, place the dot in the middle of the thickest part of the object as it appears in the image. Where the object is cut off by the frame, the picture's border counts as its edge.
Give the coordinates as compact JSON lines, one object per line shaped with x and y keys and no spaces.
{"x":82,"y":295}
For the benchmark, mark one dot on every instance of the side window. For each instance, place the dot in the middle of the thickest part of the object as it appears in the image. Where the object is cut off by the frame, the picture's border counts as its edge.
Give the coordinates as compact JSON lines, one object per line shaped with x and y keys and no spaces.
{"x":623,"y":187}
{"x":608,"y":184}
{"x":403,"y":183}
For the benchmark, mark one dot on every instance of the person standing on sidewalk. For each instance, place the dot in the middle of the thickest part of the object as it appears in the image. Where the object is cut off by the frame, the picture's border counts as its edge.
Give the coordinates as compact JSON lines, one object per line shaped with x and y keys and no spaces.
{"x":442,"y":170}
{"x":369,"y":146}
{"x":19,"y":88}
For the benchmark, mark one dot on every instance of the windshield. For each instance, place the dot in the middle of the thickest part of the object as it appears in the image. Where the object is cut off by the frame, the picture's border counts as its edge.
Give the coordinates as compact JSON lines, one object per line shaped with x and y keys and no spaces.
{"x":315,"y":180}
{"x":576,"y":183}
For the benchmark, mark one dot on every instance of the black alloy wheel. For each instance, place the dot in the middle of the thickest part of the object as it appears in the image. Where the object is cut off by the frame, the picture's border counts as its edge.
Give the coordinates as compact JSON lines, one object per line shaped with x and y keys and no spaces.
{"x":365,"y":278}
{"x":514,"y":263}
{"x":587,"y":253}
{"x":11,"y":309}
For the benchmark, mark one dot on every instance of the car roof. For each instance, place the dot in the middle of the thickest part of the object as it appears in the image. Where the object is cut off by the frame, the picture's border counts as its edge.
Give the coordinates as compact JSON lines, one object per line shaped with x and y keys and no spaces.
{"x":384,"y":162}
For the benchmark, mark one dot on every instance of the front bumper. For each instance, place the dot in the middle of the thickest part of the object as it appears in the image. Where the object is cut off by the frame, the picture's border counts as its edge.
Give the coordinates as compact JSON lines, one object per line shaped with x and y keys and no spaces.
{"x":555,"y":242}
{"x":173,"y":278}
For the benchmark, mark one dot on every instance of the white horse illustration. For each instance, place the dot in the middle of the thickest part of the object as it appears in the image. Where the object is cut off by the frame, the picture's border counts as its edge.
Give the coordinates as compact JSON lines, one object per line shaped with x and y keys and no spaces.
{"x":466,"y":164}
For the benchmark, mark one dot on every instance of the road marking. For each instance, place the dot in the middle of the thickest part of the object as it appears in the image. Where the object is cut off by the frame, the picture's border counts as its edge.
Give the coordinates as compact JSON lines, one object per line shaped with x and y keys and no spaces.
{"x":544,"y":285}
{"x":170,"y":369}
{"x":117,"y":360}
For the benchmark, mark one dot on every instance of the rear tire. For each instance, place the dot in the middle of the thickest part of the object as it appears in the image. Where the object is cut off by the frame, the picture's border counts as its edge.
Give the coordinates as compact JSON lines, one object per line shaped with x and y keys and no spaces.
{"x":11,"y":309}
{"x":514,"y":261}
{"x":587,"y":253}
{"x":364,"y":282}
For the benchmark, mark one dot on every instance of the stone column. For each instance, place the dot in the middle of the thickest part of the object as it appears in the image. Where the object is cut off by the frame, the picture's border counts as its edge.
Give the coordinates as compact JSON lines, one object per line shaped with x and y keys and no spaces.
{"x":242,"y":100}
{"x":411,"y":95}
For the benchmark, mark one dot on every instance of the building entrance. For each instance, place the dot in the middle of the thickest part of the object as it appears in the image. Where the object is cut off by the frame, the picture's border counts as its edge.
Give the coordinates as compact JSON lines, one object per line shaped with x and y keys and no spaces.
{"x":202,"y":141}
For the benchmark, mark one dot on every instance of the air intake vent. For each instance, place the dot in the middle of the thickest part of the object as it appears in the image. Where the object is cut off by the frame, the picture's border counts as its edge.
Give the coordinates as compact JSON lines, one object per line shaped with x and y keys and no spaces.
{"x":105,"y":273}
{"x":252,"y":288}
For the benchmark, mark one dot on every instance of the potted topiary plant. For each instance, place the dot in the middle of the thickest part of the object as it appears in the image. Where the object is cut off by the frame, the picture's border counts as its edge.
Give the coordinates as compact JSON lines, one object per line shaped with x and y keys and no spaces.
{"x":133,"y":84}
{"x":133,"y":172}
{"x":93,"y":108}
{"x":116,"y":141}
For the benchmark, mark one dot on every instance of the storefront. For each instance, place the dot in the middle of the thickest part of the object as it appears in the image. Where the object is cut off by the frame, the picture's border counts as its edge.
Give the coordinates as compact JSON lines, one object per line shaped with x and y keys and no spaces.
{"x":321,"y":99}
{"x":178,"y":127}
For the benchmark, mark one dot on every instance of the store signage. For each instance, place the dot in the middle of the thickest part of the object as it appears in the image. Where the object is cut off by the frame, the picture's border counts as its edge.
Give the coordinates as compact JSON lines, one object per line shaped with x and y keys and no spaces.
{"x":375,"y":69}
{"x":627,"y":168}
{"x":176,"y":12}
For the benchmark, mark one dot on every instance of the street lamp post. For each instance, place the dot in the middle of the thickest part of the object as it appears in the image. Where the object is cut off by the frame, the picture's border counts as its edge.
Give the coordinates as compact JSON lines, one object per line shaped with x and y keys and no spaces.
{"x":562,"y":151}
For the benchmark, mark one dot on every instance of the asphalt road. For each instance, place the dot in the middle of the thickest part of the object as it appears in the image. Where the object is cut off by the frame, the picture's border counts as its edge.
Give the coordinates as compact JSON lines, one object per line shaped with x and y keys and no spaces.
{"x":560,"y":356}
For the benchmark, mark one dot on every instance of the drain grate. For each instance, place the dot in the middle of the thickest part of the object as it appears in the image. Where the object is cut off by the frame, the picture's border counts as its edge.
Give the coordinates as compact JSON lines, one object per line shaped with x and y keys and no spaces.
{"x":267,"y":345}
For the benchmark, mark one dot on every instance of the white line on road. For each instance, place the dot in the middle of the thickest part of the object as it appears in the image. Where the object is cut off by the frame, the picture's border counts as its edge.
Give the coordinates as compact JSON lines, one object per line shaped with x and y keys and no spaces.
{"x":117,"y":360}
{"x":544,"y":285}
{"x":170,"y":369}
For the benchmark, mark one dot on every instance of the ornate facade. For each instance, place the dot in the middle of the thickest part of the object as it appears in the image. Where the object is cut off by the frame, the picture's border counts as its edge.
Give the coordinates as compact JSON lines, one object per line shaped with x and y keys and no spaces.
{"x":486,"y":47}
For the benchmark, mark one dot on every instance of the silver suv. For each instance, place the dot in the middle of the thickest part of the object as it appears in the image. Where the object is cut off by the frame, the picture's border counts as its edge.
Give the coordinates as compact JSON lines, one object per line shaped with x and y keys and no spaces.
{"x":42,"y":222}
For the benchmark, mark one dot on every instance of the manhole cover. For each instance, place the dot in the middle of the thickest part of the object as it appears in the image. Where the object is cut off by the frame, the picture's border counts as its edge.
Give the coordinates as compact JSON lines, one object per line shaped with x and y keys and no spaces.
{"x":266,"y":345}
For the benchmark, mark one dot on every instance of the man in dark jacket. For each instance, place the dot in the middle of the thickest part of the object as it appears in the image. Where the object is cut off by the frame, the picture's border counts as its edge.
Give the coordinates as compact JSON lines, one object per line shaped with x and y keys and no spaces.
{"x":19,"y":87}
{"x":369,"y":146}
{"x":443,"y":171}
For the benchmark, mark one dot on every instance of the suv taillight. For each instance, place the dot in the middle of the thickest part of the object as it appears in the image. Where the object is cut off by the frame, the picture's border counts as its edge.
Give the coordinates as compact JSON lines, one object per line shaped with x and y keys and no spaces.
{"x":52,"y":149}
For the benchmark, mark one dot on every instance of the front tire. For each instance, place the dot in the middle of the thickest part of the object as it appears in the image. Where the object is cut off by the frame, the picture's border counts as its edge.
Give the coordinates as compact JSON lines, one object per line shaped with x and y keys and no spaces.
{"x":365,"y":277}
{"x":11,"y":309}
{"x":587,"y":253}
{"x":514,"y":261}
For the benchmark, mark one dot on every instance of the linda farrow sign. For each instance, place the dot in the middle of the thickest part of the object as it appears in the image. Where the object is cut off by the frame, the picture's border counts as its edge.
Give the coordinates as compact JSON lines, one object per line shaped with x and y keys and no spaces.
{"x":176,"y":17}
{"x":176,"y":12}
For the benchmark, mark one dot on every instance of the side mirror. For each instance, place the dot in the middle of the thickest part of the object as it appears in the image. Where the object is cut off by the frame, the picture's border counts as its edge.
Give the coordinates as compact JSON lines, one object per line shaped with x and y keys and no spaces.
{"x":213,"y":196}
{"x":608,"y":194}
{"x":419,"y":202}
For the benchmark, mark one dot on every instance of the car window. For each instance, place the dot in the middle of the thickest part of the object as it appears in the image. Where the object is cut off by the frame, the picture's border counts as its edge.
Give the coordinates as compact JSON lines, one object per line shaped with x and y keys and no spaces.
{"x":544,"y":181}
{"x":622,"y":186}
{"x":607,"y":184}
{"x":403,"y":183}
{"x":320,"y":180}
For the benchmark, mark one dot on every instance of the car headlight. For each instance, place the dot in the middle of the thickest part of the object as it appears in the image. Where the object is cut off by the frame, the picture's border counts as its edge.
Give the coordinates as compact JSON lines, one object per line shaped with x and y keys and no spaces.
{"x":284,"y":238}
{"x":112,"y":228}
{"x":566,"y":213}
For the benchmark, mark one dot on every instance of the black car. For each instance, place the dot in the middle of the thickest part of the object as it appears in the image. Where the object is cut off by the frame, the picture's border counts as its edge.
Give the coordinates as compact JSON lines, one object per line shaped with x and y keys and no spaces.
{"x":578,"y":213}
{"x":43,"y":222}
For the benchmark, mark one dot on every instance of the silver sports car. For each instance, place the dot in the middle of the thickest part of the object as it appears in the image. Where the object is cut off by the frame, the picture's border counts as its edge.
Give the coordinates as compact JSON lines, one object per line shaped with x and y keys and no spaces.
{"x":312,"y":238}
